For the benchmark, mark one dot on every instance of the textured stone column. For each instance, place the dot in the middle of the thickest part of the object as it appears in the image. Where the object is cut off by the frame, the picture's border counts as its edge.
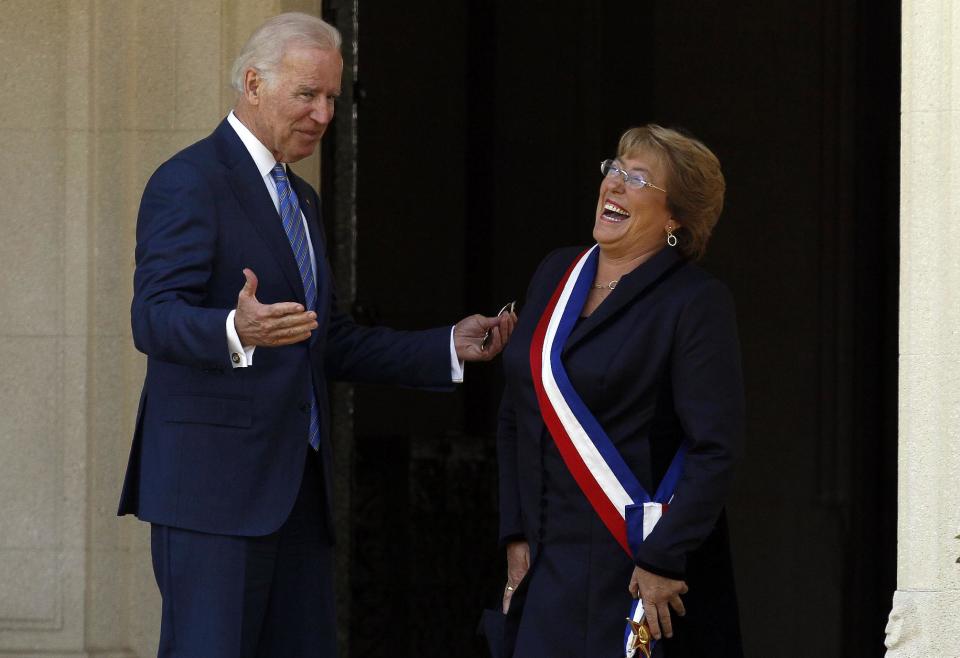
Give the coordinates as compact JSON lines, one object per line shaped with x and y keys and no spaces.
{"x":98,"y":93}
{"x":926,"y":607}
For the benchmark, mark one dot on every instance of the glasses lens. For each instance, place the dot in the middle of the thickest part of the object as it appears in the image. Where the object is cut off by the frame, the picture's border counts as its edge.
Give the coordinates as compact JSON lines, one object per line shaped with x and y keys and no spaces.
{"x":606,"y":167}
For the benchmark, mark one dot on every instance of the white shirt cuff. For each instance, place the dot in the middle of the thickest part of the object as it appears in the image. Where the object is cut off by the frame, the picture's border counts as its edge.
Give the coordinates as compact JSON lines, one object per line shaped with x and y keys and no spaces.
{"x":456,"y":365}
{"x":240,"y":356}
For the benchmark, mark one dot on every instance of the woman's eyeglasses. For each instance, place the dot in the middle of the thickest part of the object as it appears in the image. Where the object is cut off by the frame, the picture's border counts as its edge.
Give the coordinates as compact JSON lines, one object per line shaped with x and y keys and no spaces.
{"x":609,"y":169}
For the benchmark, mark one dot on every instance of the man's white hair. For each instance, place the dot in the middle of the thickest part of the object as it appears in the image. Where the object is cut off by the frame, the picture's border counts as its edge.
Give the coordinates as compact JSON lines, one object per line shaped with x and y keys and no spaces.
{"x":267,"y":45}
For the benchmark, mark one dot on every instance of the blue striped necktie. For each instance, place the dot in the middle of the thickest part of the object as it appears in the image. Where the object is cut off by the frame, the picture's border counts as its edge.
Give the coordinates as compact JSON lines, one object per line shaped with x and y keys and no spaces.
{"x":293,"y":225}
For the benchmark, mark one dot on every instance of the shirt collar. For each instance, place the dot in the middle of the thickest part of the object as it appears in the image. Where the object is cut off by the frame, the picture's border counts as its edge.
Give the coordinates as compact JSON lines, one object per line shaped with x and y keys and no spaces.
{"x":262,"y":157}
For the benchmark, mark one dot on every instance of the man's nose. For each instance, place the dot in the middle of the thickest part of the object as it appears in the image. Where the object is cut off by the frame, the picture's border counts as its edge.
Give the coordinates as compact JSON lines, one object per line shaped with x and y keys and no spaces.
{"x":322,"y":111}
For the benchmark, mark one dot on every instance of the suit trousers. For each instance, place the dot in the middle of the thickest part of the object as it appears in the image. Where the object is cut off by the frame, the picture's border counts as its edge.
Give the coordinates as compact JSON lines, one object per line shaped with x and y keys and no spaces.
{"x":250,"y":597}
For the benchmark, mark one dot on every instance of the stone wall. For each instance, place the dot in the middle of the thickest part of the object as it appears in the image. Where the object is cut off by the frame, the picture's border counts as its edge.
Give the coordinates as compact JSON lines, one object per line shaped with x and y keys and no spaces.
{"x":98,"y":94}
{"x":926,"y":606}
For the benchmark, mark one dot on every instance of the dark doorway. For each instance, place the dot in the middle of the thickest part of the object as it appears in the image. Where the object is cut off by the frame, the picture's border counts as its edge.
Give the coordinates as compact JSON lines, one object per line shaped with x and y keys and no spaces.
{"x":480,"y":128}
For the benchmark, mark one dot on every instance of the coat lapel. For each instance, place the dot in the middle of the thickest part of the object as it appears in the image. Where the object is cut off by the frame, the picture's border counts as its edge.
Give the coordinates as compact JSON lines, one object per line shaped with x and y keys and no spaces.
{"x":253,"y":198}
{"x":632,"y":286}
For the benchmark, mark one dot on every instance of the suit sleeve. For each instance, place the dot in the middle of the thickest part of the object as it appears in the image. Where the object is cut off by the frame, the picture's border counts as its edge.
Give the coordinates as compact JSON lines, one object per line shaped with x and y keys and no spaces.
{"x":176,"y":245}
{"x":387,"y":356}
{"x":708,"y":400}
{"x":378,"y":355}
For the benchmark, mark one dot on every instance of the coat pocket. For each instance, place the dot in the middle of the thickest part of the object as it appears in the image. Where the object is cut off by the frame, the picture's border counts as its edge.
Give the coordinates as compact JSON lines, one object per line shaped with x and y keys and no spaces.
{"x":208,"y":410}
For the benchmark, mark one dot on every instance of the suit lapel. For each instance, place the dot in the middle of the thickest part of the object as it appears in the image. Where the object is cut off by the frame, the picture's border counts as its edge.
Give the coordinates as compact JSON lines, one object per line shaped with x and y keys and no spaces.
{"x":632,"y":286}
{"x":255,"y":201}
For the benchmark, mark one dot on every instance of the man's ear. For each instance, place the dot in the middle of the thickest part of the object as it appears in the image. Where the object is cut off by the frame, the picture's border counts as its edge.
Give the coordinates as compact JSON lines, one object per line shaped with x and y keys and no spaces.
{"x":252,"y":86}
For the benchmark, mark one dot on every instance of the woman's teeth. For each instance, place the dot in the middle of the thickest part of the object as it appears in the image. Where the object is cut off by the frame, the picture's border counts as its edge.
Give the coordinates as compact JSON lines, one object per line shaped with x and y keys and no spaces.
{"x":614,"y":213}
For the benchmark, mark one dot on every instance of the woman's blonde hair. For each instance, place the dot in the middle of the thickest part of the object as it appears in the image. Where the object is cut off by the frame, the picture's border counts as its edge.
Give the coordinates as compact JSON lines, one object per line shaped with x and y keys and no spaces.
{"x":695,"y":184}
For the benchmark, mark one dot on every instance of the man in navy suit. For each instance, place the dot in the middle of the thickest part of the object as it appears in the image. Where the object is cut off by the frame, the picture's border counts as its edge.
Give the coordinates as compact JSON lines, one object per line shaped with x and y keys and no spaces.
{"x":231,"y":459}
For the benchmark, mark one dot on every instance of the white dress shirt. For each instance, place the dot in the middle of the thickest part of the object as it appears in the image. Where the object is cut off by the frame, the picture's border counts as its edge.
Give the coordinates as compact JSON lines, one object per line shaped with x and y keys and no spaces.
{"x":240,"y":356}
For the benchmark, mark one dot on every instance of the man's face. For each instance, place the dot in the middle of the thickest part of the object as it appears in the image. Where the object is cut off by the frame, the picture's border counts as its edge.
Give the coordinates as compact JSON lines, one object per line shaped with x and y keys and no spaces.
{"x":294,"y":108}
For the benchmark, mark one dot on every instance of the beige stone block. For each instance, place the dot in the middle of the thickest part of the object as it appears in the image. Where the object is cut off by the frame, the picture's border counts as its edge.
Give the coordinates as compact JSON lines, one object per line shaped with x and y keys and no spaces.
{"x":76,"y":218}
{"x":930,"y":227}
{"x":55,"y":582}
{"x":930,"y":64}
{"x":200,"y":74}
{"x":112,"y":232}
{"x":30,"y":595}
{"x":77,"y":44}
{"x":30,"y":428}
{"x":72,"y":439}
{"x":108,"y":614}
{"x":929,"y":460}
{"x":113,"y":74}
{"x":923,"y":624}
{"x":32,"y":36}
{"x":32,"y":245}
{"x":306,"y":6}
{"x":154,"y":59}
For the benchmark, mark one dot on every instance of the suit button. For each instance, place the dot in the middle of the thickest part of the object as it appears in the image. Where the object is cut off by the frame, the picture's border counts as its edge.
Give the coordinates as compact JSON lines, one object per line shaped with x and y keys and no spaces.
{"x":235,"y":357}
{"x":305,"y":407}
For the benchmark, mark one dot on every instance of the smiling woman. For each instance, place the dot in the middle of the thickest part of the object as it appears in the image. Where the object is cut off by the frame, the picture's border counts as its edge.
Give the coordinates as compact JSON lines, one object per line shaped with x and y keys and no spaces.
{"x":654,"y":158}
{"x":620,"y":424}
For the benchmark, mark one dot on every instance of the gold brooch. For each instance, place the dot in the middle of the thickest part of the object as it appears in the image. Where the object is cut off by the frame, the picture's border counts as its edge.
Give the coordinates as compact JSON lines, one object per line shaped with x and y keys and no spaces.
{"x":641,"y":637}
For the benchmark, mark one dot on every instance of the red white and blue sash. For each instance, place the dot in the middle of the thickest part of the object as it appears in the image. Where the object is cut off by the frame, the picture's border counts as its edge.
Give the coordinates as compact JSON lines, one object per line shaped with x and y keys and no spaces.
{"x":613,"y":490}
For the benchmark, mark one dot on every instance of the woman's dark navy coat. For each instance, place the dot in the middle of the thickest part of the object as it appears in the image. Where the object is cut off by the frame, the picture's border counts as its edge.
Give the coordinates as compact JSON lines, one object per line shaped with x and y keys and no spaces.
{"x":657,"y":363}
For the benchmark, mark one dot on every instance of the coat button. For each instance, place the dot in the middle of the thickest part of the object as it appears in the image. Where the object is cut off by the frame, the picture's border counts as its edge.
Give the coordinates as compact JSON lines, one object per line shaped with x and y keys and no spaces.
{"x":235,"y":357}
{"x":305,"y":407}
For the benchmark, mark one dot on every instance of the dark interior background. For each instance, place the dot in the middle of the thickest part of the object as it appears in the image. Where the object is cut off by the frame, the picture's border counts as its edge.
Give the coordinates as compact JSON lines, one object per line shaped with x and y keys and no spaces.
{"x":479,"y":129}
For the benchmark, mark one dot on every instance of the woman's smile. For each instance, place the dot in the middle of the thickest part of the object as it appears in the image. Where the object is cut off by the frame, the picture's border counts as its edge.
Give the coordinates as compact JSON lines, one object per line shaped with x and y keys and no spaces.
{"x":613,"y":212}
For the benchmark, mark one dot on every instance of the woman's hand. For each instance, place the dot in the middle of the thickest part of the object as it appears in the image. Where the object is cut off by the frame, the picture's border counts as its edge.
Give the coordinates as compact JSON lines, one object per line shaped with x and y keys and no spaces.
{"x":518,"y":562}
{"x":659,"y":594}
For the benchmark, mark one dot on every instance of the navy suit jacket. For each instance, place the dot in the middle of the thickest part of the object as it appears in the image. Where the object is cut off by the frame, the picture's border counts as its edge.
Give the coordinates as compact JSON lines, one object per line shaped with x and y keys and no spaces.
{"x":218,"y":449}
{"x":656,"y":363}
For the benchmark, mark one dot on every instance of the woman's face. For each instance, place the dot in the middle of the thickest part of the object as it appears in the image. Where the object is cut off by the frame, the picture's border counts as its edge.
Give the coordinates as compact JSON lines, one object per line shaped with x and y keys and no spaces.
{"x":632,"y":220}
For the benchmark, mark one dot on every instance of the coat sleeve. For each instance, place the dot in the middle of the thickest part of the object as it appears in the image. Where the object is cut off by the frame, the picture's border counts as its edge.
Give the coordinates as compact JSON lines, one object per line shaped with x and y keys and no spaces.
{"x":176,"y":245}
{"x":708,"y":400}
{"x":511,"y":521}
{"x":511,"y":526}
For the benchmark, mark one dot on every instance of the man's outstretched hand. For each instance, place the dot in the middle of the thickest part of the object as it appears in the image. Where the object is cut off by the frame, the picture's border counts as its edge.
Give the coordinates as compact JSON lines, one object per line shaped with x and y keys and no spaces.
{"x":472,"y":342}
{"x":270,"y":325}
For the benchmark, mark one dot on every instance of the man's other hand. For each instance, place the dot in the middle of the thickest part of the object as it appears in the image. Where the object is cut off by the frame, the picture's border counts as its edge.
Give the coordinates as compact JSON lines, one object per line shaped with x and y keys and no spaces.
{"x":469,"y":334}
{"x":270,"y":325}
